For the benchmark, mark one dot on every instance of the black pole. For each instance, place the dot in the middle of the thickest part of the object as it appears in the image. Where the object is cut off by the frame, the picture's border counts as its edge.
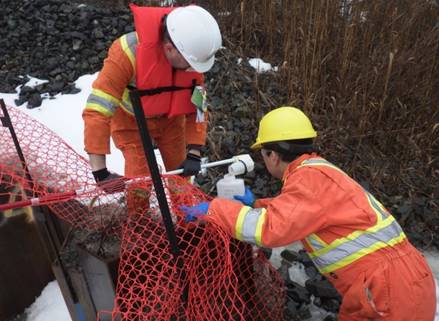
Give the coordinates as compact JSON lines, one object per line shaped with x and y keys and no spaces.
{"x":6,"y":122}
{"x":148,"y":148}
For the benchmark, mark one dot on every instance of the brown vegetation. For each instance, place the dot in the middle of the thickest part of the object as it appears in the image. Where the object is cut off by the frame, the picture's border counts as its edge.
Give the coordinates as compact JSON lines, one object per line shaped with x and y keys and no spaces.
{"x":367,"y":72}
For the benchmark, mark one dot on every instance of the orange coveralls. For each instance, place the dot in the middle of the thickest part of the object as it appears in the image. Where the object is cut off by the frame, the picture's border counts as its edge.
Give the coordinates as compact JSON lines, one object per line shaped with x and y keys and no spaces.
{"x":103,"y":116}
{"x":350,"y":236}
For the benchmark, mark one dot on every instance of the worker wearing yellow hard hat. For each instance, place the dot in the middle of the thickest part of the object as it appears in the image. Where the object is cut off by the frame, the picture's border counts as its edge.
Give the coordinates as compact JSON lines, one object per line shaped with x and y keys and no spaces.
{"x":284,"y":123}
{"x":349,"y":235}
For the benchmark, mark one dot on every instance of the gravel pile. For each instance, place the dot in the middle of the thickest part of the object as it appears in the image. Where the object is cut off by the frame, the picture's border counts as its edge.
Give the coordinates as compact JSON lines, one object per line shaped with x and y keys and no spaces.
{"x":56,"y":41}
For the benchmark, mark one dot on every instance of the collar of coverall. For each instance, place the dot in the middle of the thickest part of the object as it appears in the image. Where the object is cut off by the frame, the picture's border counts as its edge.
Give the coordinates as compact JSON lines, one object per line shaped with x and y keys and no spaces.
{"x":295,"y":163}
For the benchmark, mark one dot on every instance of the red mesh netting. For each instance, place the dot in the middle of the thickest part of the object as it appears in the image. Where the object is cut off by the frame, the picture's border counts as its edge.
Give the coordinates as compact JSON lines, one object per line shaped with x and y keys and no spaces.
{"x":213,"y":278}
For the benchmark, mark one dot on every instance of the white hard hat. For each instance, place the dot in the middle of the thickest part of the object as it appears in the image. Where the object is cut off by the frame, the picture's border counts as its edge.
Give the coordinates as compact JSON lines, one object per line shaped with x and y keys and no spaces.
{"x":195,"y":34}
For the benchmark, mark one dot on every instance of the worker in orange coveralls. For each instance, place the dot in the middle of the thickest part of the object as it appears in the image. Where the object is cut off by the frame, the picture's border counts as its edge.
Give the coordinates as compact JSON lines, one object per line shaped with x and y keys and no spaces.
{"x":165,"y":58}
{"x":352,"y":239}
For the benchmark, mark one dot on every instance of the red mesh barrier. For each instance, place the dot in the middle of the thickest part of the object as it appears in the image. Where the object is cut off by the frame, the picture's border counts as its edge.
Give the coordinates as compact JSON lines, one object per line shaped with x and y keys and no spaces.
{"x":214,"y":277}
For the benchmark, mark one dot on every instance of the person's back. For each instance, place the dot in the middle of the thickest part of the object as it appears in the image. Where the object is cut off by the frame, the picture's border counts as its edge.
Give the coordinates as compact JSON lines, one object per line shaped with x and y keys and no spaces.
{"x":358,"y":245}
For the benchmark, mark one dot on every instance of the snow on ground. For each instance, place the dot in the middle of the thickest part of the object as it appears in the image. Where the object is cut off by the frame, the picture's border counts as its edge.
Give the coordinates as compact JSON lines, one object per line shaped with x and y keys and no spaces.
{"x":259,"y":65}
{"x":49,"y":306}
{"x":62,"y":114}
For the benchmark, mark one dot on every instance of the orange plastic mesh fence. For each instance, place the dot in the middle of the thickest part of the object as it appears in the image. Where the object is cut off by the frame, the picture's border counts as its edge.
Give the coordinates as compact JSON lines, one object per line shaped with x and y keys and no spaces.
{"x":213,"y":278}
{"x":57,"y":172}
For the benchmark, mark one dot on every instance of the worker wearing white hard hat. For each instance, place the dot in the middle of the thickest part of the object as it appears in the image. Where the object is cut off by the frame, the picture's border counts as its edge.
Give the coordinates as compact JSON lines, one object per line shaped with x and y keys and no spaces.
{"x":197,"y":41}
{"x":164,"y":58}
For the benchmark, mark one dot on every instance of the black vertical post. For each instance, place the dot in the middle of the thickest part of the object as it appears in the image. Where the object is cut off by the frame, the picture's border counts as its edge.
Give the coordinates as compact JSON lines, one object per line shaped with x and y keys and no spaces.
{"x":6,"y":122}
{"x":148,"y":148}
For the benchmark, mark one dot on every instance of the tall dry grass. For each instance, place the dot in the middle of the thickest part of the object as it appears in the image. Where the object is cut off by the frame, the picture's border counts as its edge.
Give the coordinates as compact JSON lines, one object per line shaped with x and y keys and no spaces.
{"x":367,"y":72}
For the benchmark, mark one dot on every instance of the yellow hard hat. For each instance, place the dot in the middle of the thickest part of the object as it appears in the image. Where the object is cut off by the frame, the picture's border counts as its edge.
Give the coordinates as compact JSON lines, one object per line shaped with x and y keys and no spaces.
{"x":284,"y":123}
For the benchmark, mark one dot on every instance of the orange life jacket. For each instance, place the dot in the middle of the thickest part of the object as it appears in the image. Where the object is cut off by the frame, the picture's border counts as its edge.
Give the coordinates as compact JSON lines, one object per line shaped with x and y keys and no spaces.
{"x":166,"y":90}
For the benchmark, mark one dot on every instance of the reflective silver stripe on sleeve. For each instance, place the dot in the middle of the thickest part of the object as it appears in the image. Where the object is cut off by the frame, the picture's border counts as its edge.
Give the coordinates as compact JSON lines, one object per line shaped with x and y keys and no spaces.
{"x":129,"y":45}
{"x":316,"y":245}
{"x":376,"y":206}
{"x":250,"y":224}
{"x":102,"y":102}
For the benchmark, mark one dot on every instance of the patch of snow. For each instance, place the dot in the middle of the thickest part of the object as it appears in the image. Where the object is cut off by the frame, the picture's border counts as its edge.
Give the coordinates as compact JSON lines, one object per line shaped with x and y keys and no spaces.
{"x":63,"y":114}
{"x":49,"y":306}
{"x":260,"y":65}
{"x":33,"y":82}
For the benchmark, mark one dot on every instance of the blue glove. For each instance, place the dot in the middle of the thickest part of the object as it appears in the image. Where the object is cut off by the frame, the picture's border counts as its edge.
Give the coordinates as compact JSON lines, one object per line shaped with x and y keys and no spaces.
{"x":248,"y":198}
{"x":191,"y":213}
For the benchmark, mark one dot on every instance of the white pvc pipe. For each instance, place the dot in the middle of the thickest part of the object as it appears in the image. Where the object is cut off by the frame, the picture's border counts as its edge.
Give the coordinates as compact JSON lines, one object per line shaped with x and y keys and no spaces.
{"x":213,"y":164}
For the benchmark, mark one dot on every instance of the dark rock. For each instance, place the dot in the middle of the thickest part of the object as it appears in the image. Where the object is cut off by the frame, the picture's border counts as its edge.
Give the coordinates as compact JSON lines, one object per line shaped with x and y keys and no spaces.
{"x":20,"y":101}
{"x":55,"y":72}
{"x":290,"y":309}
{"x":289,"y":255}
{"x":77,"y":44}
{"x":323,"y":289}
{"x":283,"y":272}
{"x":311,"y":271}
{"x":317,"y":302}
{"x":304,"y":313}
{"x":34,"y":100}
{"x":26,"y":91}
{"x":305,"y":259}
{"x":98,"y":33}
{"x":71,"y":90}
{"x":79,"y":35}
{"x":70,"y":65}
{"x":298,"y":293}
{"x":331,"y":305}
{"x":267,"y":252}
{"x":57,"y":86}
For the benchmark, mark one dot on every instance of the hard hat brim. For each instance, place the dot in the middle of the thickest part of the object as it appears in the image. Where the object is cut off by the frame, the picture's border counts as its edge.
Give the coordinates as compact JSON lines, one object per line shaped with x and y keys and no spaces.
{"x":256,"y":146}
{"x":200,"y":67}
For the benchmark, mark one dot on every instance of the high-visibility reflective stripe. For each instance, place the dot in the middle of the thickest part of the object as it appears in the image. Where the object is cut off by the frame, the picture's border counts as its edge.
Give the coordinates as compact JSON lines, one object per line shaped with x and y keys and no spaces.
{"x":240,"y":222}
{"x":378,"y":208}
{"x":99,"y":109}
{"x":129,"y":44}
{"x":258,"y":232}
{"x":345,"y":250}
{"x":126,"y":102}
{"x":249,"y":224}
{"x":102,"y":102}
{"x":354,"y":235}
{"x":355,"y":249}
{"x":315,"y":242}
{"x":375,"y":205}
{"x":319,"y":162}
